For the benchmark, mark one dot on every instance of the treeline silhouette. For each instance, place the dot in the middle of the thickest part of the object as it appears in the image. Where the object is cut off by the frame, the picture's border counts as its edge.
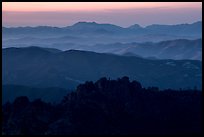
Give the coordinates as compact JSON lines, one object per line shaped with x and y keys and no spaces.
{"x":108,"y":107}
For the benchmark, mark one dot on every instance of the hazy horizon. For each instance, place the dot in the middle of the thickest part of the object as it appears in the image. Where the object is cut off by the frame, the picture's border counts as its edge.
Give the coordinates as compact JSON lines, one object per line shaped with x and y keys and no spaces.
{"x":124,"y":14}
{"x":98,"y":23}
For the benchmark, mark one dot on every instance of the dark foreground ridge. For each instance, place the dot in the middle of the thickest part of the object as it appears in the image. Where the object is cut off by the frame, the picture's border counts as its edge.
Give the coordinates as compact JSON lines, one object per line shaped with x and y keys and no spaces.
{"x":42,"y":68}
{"x":108,"y":107}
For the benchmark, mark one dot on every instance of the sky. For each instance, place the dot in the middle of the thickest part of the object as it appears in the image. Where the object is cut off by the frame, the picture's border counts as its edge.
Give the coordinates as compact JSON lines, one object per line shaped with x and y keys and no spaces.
{"x":123,"y":14}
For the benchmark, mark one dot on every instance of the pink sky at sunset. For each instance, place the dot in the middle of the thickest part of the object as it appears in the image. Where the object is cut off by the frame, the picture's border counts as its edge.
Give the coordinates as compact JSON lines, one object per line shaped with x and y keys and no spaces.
{"x":91,"y":6}
{"x":119,"y":13}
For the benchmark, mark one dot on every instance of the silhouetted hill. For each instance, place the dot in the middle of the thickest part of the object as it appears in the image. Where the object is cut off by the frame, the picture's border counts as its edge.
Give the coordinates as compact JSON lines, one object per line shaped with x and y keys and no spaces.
{"x":108,"y":107}
{"x":37,"y":67}
{"x":51,"y":95}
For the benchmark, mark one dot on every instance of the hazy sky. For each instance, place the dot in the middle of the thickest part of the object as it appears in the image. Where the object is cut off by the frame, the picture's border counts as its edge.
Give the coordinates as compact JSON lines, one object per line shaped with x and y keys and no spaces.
{"x":119,"y":13}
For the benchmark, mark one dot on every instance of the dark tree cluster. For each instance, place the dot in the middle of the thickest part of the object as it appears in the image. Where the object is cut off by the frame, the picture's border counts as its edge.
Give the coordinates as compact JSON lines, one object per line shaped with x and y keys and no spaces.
{"x":108,"y":107}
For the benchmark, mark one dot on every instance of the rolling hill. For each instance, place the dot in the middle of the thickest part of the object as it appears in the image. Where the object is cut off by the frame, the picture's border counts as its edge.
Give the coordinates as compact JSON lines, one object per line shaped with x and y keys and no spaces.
{"x":39,"y":67}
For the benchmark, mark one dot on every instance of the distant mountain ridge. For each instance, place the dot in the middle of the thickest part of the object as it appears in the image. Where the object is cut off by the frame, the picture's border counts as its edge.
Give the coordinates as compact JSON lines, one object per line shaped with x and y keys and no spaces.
{"x":171,"y":49}
{"x":86,"y":35}
{"x":194,"y":29}
{"x":84,"y":23}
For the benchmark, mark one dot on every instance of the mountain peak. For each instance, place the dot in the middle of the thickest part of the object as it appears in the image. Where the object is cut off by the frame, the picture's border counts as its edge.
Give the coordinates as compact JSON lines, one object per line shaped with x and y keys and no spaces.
{"x":135,"y":26}
{"x":198,"y":23}
{"x":85,"y":23}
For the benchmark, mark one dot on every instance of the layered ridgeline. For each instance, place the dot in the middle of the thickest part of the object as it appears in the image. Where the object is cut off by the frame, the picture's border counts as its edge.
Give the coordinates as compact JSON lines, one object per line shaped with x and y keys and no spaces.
{"x":90,"y":33}
{"x":172,"y":49}
{"x":42,"y":67}
{"x":182,"y":41}
{"x":108,"y":107}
